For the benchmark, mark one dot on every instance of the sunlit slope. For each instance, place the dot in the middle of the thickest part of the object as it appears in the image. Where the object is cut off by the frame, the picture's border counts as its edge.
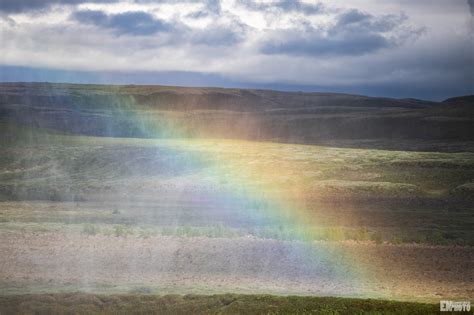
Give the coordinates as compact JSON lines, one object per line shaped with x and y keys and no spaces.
{"x":392,"y":195}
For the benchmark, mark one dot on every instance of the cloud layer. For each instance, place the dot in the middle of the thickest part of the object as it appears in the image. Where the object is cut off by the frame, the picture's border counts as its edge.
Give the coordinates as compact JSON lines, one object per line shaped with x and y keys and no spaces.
{"x":327,"y":44}
{"x":19,"y":6}
{"x":352,"y":33}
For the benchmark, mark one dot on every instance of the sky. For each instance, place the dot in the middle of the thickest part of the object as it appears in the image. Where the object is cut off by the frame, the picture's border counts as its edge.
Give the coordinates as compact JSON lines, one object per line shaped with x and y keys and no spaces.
{"x":400,"y":48}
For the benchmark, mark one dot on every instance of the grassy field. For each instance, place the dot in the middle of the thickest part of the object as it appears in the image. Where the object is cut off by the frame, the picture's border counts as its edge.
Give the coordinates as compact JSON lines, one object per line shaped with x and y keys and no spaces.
{"x":172,"y":187}
{"x":195,"y":304}
{"x":144,"y":218}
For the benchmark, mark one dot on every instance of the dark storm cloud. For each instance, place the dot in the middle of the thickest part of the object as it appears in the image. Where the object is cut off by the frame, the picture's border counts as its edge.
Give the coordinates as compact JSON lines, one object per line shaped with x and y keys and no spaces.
{"x":353,"y":33}
{"x":355,"y":20}
{"x":319,"y":45}
{"x":283,"y":5}
{"x":131,"y":23}
{"x":18,"y":6}
{"x":137,"y":23}
{"x":471,"y":6}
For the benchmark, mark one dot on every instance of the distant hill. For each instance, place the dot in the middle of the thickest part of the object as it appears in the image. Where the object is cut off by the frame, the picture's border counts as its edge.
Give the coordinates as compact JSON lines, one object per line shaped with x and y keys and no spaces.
{"x":164,"y":111}
{"x":459,"y":106}
{"x":460,"y":100}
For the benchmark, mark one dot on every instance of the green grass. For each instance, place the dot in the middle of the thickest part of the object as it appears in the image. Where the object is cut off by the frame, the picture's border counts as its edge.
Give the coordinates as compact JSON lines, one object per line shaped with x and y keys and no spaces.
{"x":90,"y":229}
{"x":77,"y":303}
{"x":122,"y":231}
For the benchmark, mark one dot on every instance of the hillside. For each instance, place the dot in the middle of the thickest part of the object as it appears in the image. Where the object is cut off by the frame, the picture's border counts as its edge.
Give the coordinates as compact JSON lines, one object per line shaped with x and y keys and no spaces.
{"x":291,"y":117}
{"x":204,"y":215}
{"x":187,"y":182}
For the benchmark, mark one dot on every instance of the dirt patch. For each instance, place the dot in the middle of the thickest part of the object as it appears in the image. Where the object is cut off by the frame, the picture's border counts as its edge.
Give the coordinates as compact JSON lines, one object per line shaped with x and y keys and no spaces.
{"x":61,"y":261}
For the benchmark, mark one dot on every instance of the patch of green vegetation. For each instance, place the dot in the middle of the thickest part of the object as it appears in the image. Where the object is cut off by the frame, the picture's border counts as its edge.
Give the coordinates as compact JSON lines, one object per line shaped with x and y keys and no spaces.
{"x":147,"y":232}
{"x":213,"y":231}
{"x":464,"y":191}
{"x":377,"y":237}
{"x":122,"y":231}
{"x":30,"y":227}
{"x":144,"y":303}
{"x":369,"y":188}
{"x":90,"y":229}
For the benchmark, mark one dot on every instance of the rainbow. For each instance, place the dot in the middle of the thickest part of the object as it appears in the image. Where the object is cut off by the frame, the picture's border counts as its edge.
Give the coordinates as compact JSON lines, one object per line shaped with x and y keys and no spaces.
{"x":252,"y":187}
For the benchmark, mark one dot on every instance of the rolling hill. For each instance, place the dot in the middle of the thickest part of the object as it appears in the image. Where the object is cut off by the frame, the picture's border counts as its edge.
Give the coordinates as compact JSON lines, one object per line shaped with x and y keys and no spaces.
{"x":290,"y":117}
